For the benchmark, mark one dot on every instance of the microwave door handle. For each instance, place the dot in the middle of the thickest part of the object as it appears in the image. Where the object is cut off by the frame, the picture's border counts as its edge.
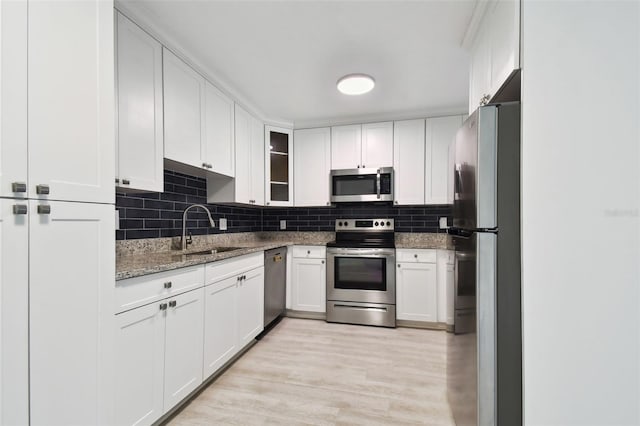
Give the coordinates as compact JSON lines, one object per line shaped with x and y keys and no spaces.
{"x":378,"y":184}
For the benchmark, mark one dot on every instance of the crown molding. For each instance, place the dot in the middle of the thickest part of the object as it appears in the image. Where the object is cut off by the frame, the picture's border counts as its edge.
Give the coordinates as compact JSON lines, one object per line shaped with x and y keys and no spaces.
{"x":473,"y":27}
{"x":374,"y":118}
{"x":147,"y":20}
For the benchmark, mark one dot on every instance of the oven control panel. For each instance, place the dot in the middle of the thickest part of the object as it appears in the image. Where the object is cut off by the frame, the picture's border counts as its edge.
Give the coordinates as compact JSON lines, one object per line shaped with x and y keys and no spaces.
{"x":364,"y":225}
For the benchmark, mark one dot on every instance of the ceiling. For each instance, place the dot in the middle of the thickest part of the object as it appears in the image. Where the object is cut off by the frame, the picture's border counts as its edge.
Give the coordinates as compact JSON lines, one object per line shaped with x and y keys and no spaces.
{"x":284,"y":57}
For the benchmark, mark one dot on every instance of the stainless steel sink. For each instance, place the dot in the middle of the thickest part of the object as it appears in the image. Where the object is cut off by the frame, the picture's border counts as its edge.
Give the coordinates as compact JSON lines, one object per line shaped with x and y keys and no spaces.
{"x":210,"y":251}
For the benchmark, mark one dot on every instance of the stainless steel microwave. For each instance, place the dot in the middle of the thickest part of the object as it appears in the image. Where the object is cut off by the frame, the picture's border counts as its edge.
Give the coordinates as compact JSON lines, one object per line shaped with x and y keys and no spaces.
{"x":354,"y":185}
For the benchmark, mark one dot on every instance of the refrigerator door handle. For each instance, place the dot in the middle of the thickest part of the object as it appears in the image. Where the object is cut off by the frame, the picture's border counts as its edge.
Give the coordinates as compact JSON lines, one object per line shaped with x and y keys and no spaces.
{"x":459,"y":232}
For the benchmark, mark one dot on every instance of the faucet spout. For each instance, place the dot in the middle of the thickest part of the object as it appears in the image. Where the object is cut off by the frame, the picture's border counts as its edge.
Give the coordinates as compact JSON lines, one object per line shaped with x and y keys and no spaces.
{"x":184,"y":222}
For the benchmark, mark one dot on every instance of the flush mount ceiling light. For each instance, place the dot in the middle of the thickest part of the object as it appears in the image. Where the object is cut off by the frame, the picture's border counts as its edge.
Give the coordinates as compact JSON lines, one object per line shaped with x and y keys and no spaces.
{"x":356,"y":84}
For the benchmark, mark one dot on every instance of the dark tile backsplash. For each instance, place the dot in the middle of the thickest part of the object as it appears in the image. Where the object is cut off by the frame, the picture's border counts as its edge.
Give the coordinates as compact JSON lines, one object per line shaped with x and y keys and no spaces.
{"x":153,"y":215}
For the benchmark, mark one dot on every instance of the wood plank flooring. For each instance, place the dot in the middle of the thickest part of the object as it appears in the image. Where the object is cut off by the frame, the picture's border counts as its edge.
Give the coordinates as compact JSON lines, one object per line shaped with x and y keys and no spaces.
{"x":309,"y":372}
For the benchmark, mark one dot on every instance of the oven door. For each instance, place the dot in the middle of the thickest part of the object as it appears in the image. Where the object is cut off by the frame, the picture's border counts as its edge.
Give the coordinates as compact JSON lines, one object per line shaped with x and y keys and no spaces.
{"x":361,"y":275}
{"x":353,"y":185}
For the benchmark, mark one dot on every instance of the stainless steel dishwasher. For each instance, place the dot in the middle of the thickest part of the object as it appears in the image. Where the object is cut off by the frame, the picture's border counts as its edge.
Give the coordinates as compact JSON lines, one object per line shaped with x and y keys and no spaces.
{"x":275,"y":277}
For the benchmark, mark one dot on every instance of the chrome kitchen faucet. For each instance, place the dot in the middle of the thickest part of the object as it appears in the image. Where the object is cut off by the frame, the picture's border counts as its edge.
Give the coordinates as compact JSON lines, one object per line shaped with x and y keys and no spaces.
{"x":184,"y":223}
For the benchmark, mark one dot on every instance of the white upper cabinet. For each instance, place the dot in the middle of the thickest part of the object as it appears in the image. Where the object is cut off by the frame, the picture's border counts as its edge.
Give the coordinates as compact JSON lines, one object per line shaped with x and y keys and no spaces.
{"x":495,"y":52}
{"x":362,"y":146}
{"x":71,"y":101}
{"x":440,"y":131}
{"x":139,"y":162}
{"x":247,"y":187}
{"x":408,"y":161}
{"x":278,"y":166}
{"x":377,"y":145}
{"x":183,"y":111}
{"x":257,"y":162}
{"x":346,"y":147}
{"x":13,"y":101}
{"x":219,"y":143}
{"x":312,"y":165}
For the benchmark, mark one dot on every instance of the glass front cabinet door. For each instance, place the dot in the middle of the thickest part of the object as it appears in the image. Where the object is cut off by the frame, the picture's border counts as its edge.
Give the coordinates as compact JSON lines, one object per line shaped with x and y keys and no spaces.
{"x":279,"y":166}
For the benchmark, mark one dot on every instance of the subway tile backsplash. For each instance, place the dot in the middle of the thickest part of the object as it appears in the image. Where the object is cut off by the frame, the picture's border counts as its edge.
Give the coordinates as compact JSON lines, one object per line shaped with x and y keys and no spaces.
{"x":154,"y":215}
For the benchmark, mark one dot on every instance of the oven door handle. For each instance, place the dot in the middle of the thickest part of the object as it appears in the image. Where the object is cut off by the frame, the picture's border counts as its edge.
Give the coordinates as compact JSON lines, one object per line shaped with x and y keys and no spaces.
{"x":339,"y":252}
{"x":361,"y":308}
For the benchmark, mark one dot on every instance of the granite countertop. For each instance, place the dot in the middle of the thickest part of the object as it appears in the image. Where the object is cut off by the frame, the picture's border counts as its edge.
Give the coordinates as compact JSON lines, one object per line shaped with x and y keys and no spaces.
{"x":136,"y":265}
{"x":135,"y":258}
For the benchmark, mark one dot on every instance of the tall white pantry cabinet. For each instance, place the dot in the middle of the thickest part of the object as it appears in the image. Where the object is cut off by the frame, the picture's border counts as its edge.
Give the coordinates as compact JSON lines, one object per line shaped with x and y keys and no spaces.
{"x":57,"y":263}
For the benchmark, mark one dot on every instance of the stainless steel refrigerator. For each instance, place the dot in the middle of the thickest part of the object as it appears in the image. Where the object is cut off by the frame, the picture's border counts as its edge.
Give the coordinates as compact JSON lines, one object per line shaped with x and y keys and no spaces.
{"x":484,"y":353}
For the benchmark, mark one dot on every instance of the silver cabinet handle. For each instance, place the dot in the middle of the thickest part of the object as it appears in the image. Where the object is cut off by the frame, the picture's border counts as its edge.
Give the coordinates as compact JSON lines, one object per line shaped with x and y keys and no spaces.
{"x":398,"y":265}
{"x":267,"y":203}
{"x":328,"y":203}
{"x":322,"y":261}
{"x":19,"y":209}
{"x":44,"y":209}
{"x":364,"y":167}
{"x":18,"y":187}
{"x":204,"y":165}
{"x":308,"y":251}
{"x":358,"y":165}
{"x":415,"y":255}
{"x":173,"y":304}
{"x":210,"y":166}
{"x":125,"y":181}
{"x":396,"y":202}
{"x":163,"y":306}
{"x":244,"y":277}
{"x":42,"y":189}
{"x":117,"y":180}
{"x":167,"y":284}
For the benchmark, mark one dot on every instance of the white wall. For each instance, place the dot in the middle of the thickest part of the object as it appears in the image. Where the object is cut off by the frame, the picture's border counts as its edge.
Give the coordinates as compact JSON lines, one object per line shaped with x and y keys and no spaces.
{"x":580,"y":201}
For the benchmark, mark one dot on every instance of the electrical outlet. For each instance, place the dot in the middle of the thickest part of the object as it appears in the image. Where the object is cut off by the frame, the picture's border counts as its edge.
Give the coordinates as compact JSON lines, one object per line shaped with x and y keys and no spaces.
{"x":223,"y":223}
{"x":283,"y":224}
{"x":443,"y":223}
{"x":117,"y":219}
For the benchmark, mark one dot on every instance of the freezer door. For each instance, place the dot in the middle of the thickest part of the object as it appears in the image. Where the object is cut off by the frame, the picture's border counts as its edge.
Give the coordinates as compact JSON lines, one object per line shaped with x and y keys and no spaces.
{"x":475,"y":182}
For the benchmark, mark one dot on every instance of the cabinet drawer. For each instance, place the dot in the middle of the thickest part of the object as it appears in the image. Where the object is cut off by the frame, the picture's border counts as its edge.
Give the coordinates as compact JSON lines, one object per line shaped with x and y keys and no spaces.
{"x":226,"y":268}
{"x":139,"y":291}
{"x":447,"y":256}
{"x":310,"y":252}
{"x":417,"y":255}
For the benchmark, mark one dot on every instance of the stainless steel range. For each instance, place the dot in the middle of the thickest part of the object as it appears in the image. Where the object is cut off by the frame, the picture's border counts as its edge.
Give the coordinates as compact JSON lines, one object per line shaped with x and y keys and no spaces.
{"x":361,"y":279}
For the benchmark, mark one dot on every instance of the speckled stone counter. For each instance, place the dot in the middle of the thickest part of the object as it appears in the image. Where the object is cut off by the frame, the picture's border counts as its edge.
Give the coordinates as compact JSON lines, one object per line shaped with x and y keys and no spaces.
{"x":411,"y":240}
{"x":135,"y":258}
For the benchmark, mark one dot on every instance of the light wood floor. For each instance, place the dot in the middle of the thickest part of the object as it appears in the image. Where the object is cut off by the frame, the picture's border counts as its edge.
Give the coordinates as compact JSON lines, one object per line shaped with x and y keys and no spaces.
{"x":315,"y":373}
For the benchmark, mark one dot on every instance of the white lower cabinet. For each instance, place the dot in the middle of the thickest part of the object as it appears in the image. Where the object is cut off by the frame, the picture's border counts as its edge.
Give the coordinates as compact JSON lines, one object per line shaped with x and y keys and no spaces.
{"x":183,"y":346}
{"x":158,"y":355}
{"x":309,"y":279}
{"x":446,"y":277}
{"x":234,"y":316}
{"x":140,"y":340}
{"x":416,"y":292}
{"x":424,"y":285}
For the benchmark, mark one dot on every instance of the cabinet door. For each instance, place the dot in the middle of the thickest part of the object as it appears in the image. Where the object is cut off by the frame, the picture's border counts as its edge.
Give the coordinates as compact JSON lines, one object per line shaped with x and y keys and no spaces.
{"x":243,"y":168}
{"x":139,"y":354}
{"x":13,"y":97}
{"x":218,"y":140}
{"x":504,"y":26}
{"x":308,"y":287}
{"x":479,"y":69}
{"x":377,"y":145}
{"x":220,"y":327}
{"x":346,"y":147}
{"x":440,"y":132}
{"x":71,"y":299}
{"x":71,"y":100}
{"x":257,"y":162}
{"x":183,"y":346}
{"x":250,"y":306}
{"x":408,"y":162}
{"x":312,"y":165}
{"x":278,"y":166}
{"x":417,"y":292}
{"x":140,"y":124}
{"x":14,"y":314}
{"x":183,"y":111}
